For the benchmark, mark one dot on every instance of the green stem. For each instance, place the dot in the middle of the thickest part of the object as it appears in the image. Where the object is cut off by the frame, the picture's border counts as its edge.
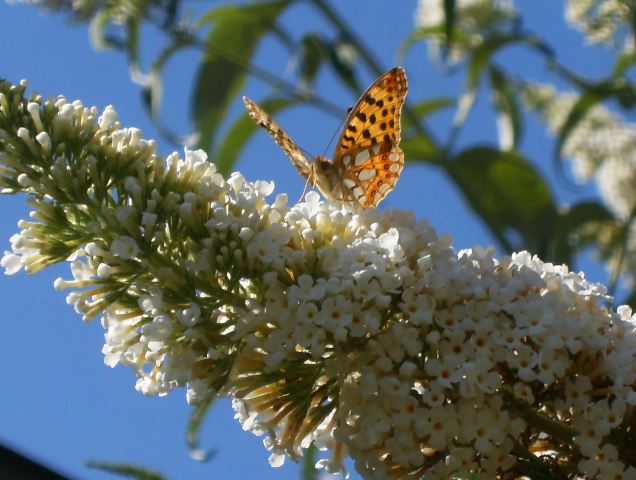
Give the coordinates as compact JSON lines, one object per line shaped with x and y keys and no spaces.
{"x":545,"y":424}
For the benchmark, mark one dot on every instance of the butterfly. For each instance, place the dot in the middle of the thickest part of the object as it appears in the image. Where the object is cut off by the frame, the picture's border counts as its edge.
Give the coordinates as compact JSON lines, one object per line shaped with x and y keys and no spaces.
{"x":367,"y":161}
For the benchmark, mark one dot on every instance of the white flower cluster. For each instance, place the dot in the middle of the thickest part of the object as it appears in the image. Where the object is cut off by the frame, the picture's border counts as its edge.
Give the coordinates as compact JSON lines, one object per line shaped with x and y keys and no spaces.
{"x":362,"y":332}
{"x":474,"y":19}
{"x":602,"y":21}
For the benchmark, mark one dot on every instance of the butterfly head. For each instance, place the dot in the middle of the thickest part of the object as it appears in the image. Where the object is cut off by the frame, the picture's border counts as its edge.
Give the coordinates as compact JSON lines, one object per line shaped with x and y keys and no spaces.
{"x":321,"y":164}
{"x":323,"y":176}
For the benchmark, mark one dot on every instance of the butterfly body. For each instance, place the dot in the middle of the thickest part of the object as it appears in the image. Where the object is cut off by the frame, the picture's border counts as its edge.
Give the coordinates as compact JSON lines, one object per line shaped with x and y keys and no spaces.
{"x":367,"y":161}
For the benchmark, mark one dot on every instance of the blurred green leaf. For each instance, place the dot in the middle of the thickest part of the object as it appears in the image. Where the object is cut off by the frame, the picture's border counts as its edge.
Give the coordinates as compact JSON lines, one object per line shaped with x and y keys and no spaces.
{"x":308,"y":469}
{"x":505,"y":190}
{"x":178,"y":42}
{"x":240,"y":132}
{"x":98,"y":33}
{"x":450,"y":15}
{"x":286,"y":39}
{"x":576,"y":114}
{"x":235,"y":33}
{"x":507,"y":106}
{"x":573,"y":228}
{"x":194,"y":426}
{"x":151,"y":95}
{"x":420,"y":33}
{"x":624,"y":61}
{"x":313,"y":53}
{"x":340,"y":62}
{"x":427,"y":107}
{"x":133,"y":31}
{"x":171,"y":10}
{"x":125,"y":470}
{"x":419,"y":148}
{"x":480,"y":56}
{"x":416,"y":143}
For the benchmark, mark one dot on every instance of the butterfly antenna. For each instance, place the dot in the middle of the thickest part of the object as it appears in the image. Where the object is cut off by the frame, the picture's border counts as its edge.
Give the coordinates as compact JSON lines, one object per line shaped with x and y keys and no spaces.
{"x":338,"y":130}
{"x":307,"y":154}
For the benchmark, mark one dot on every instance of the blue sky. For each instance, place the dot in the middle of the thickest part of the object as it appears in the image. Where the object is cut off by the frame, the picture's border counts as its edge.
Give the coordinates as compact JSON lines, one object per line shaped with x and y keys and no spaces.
{"x":61,"y":404}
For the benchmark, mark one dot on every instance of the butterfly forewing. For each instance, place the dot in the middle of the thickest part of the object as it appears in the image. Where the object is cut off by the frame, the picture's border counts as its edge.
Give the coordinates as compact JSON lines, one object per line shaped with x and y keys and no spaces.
{"x":279,"y":135}
{"x":367,"y":152}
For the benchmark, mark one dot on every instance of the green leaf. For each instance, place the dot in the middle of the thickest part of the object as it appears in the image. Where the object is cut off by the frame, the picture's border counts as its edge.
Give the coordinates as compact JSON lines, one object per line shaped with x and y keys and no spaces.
{"x":505,"y":190}
{"x":480,"y":57}
{"x":421,"y":33}
{"x":428,"y":107}
{"x":507,"y":106}
{"x":235,"y":33}
{"x":450,"y":15}
{"x":133,"y":31}
{"x":155,"y":84}
{"x":281,"y":34}
{"x":194,"y":425}
{"x":420,"y":148}
{"x":624,"y":61}
{"x":572,"y":230}
{"x":341,"y":66}
{"x":240,"y":132}
{"x":127,"y":470}
{"x":576,"y":114}
{"x":97,"y":31}
{"x":313,"y":52}
{"x":152,"y":87}
{"x":416,"y":143}
{"x":170,"y":11}
{"x":308,"y":470}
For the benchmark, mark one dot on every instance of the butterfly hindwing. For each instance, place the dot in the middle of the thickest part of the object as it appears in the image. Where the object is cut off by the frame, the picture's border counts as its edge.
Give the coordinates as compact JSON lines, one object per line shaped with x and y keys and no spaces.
{"x":372,"y":172}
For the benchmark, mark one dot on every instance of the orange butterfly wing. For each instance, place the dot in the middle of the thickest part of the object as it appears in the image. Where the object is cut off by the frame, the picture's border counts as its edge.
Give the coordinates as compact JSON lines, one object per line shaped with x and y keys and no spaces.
{"x":367,"y":152}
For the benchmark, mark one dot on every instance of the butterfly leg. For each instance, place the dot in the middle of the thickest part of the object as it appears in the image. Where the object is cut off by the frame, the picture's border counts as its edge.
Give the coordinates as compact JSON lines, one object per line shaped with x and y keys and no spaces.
{"x":305,"y":190}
